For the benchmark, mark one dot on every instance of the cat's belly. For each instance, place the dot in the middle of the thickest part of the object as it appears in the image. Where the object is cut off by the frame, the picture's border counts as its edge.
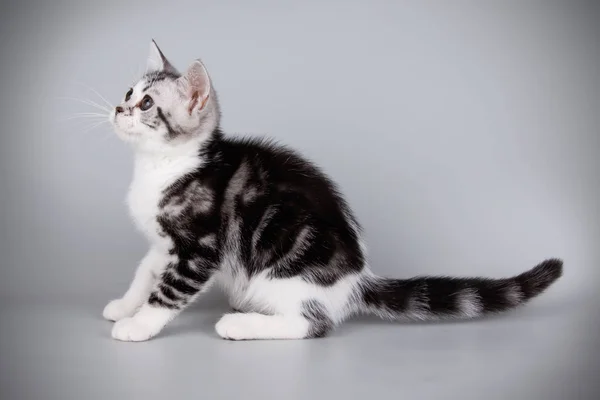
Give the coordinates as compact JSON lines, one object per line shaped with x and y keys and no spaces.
{"x":263,"y":294}
{"x":233,"y":279}
{"x":248,"y":294}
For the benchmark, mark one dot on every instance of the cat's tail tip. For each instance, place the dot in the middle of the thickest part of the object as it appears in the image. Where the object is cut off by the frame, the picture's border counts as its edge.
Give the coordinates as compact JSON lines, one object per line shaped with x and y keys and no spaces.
{"x":540,"y":277}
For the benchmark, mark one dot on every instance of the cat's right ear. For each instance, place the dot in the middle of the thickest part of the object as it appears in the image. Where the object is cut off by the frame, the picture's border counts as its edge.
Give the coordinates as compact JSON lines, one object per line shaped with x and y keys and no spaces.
{"x":157,"y":61}
{"x":195,"y":84}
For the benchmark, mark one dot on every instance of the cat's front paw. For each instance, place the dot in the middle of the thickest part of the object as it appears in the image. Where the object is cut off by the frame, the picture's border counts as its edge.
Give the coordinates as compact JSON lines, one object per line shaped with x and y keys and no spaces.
{"x":118,"y":309}
{"x":132,"y":330}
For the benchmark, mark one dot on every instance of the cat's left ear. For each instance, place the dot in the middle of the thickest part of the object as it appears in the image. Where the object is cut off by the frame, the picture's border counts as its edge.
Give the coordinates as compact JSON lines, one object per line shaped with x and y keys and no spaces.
{"x":195,"y":84}
{"x":158,"y":62}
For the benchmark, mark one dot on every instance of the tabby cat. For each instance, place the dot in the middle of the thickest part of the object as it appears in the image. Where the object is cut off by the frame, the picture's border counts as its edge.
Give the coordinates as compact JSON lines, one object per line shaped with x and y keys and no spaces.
{"x":262,"y":222}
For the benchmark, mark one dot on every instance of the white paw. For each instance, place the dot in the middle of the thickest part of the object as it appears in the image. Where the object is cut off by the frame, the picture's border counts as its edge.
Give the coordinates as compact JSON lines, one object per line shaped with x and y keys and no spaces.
{"x":117,"y":310}
{"x":237,"y":326}
{"x":132,"y":330}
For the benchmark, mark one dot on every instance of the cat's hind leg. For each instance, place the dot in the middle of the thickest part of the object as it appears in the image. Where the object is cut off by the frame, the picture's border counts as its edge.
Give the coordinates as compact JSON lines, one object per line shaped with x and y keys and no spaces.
{"x":312,"y":321}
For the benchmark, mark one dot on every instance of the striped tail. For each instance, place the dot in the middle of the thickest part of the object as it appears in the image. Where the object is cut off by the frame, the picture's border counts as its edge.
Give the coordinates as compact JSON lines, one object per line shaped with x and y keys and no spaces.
{"x":429,"y":298}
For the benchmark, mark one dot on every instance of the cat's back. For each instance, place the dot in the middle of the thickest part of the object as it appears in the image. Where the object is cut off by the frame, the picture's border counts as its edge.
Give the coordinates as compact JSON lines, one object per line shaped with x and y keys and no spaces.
{"x":279,"y":166}
{"x":286,"y":176}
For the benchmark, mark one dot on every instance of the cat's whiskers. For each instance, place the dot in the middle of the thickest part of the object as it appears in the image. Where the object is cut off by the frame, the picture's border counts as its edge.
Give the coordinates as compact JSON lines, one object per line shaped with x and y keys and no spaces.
{"x":88,"y":102}
{"x":79,"y":116}
{"x":108,"y":103}
{"x":93,"y":126}
{"x":83,"y":119}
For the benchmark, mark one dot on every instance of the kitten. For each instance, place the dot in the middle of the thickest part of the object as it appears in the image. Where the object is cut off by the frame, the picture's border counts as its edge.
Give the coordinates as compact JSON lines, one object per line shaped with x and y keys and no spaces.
{"x":266,"y":225}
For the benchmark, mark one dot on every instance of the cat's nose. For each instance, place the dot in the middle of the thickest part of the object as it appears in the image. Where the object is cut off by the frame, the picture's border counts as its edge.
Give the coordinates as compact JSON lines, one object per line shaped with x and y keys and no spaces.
{"x":118,"y":109}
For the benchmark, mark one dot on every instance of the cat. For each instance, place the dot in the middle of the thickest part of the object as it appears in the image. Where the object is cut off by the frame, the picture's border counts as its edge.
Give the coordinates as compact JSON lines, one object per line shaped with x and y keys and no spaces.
{"x":262,"y":222}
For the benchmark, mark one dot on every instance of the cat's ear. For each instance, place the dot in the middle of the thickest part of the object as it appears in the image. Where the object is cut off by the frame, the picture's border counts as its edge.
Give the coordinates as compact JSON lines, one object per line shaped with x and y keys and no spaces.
{"x":157,"y":61}
{"x":195,"y":84}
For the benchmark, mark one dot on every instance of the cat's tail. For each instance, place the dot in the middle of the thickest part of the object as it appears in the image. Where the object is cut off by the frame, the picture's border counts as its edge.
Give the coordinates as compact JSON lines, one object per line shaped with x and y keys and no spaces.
{"x":429,"y":298}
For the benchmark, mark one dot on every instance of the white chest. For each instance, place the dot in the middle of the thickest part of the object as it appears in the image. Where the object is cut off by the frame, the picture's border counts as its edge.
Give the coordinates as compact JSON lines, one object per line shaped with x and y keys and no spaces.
{"x":151,"y":177}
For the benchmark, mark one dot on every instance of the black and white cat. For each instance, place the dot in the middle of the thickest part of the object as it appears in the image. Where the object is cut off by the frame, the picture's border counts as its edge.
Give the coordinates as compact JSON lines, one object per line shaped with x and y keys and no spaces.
{"x":266,"y":225}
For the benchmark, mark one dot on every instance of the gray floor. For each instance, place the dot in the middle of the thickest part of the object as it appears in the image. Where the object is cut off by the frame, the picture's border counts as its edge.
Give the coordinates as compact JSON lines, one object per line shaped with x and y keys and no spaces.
{"x":464,"y":135}
{"x":61,"y":349}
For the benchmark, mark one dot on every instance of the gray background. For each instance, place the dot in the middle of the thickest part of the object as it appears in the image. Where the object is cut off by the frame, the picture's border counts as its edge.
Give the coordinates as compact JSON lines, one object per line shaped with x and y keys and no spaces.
{"x":464,"y":134}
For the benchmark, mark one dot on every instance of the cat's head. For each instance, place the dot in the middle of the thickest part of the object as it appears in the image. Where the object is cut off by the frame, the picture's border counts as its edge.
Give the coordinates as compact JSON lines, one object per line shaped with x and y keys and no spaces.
{"x":166,"y":110}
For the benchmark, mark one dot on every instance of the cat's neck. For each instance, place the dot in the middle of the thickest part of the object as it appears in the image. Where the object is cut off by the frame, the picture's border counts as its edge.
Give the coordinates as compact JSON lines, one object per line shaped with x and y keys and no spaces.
{"x":169,"y":163}
{"x":176,"y":159}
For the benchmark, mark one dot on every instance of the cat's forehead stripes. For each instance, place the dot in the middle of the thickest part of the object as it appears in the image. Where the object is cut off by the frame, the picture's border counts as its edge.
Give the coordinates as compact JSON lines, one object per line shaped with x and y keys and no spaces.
{"x":144,"y":87}
{"x":155,"y":77}
{"x":150,"y":83}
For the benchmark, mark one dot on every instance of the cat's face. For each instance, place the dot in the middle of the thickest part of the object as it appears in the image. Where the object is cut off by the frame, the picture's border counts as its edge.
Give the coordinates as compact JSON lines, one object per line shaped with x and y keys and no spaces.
{"x":165,"y":109}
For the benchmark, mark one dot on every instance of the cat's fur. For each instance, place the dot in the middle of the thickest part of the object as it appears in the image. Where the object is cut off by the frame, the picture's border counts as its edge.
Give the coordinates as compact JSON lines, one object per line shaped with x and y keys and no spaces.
{"x":263,"y":223}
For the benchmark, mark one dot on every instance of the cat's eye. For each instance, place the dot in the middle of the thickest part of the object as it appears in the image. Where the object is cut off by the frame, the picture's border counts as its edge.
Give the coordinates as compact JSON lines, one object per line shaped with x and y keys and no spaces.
{"x":128,"y":94}
{"x":146,"y":103}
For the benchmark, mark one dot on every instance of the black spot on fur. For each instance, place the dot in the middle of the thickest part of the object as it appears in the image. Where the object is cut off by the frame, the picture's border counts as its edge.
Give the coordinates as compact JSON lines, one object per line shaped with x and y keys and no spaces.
{"x":171,"y":133}
{"x":156,"y":301}
{"x":320,"y":322}
{"x":178,"y":283}
{"x":158,"y":76}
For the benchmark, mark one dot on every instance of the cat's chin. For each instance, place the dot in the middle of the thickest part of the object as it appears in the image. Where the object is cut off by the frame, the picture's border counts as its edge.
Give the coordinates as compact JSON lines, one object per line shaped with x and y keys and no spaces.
{"x":125,"y":133}
{"x":126,"y":137}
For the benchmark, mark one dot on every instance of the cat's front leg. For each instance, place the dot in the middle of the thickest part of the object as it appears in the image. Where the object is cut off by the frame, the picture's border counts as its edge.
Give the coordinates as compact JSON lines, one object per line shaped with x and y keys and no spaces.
{"x":180,"y":283}
{"x":139,"y":289}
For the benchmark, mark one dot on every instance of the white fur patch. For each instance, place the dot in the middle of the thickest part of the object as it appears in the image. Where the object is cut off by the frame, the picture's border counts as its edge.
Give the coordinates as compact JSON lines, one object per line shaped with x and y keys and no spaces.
{"x":144,"y":325}
{"x":118,"y":309}
{"x":418,"y":304}
{"x":209,"y":240}
{"x":285,"y":296}
{"x":469,"y":303}
{"x":253,"y":326}
{"x":514,"y":295}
